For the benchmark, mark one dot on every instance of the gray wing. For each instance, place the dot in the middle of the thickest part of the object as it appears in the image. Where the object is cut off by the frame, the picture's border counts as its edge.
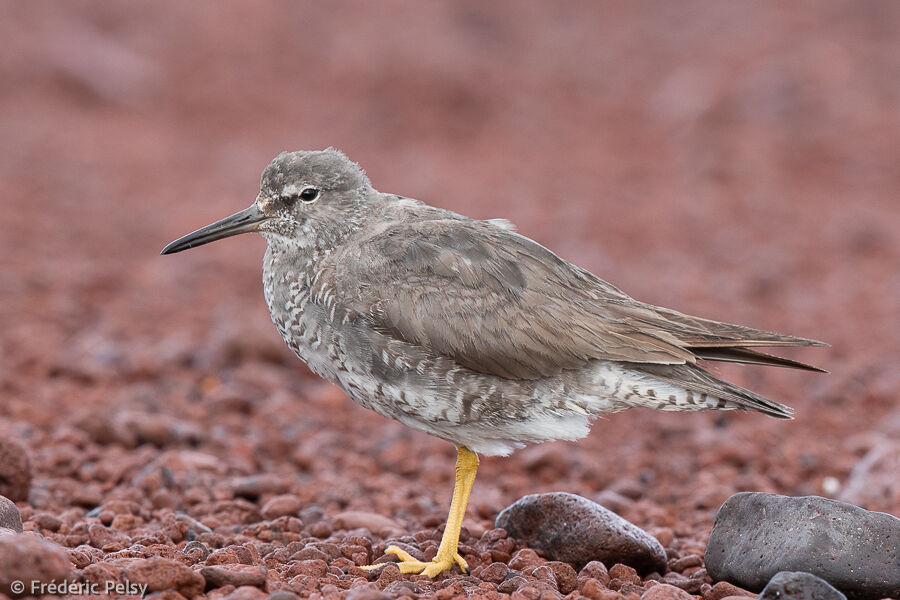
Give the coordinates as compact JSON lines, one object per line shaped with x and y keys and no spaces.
{"x":499,"y":303}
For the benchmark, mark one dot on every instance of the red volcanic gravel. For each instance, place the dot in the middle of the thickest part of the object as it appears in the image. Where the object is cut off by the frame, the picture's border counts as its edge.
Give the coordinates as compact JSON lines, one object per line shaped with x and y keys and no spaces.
{"x":734,"y":161}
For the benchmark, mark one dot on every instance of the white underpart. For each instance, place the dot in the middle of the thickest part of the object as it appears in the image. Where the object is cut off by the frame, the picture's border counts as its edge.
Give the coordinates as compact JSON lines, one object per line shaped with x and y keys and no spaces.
{"x":609,"y":388}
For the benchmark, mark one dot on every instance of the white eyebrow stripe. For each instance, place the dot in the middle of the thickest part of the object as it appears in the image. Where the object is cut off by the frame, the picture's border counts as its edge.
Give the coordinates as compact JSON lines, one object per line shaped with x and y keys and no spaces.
{"x":292,"y":189}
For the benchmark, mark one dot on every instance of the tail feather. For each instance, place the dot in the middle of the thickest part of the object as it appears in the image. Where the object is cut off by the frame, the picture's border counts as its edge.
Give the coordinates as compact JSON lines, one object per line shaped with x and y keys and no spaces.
{"x":695,"y":379}
{"x":751,"y":357}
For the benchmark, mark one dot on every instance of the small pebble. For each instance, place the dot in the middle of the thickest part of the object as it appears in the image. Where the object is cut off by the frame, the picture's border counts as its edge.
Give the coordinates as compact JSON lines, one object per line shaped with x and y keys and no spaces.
{"x":663,"y":591}
{"x":246,"y":593}
{"x":624,"y":574}
{"x":15,"y":470}
{"x":284,"y":505}
{"x":376,"y":523}
{"x":723,"y":589}
{"x":235,"y":574}
{"x":283,"y":595}
{"x":162,"y":574}
{"x":566,"y":577}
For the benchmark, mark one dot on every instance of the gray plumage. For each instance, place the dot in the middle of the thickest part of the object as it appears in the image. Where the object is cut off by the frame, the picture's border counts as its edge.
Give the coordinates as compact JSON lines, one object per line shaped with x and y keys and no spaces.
{"x":467,"y":330}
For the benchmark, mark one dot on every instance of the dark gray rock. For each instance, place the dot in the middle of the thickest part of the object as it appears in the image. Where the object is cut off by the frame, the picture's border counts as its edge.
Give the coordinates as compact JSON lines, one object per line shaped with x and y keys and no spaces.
{"x":9,"y":515}
{"x":757,"y":535}
{"x":797,"y":585}
{"x":573,"y":529}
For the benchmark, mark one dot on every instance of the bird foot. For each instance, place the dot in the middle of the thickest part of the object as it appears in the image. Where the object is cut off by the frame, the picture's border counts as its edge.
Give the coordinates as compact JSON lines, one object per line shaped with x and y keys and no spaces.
{"x":444,"y":561}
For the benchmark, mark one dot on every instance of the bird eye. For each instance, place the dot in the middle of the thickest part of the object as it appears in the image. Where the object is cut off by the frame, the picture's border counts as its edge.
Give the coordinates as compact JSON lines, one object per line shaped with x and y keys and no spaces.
{"x":309,"y":194}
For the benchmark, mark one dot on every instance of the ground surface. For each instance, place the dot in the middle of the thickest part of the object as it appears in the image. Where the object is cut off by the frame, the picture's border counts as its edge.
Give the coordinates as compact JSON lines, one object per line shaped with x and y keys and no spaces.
{"x":735,"y":161}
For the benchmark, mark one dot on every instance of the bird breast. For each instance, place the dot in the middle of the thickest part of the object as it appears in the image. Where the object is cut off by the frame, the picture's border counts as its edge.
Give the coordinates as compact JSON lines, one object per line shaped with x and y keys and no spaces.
{"x":302,"y":324}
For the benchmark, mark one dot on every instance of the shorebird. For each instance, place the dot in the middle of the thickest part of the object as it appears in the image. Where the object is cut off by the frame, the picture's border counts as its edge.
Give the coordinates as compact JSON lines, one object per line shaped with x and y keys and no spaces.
{"x":466,"y":330}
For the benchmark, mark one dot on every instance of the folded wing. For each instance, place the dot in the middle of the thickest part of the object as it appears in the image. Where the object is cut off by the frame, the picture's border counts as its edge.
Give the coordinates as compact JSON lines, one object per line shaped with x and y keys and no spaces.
{"x":499,"y":303}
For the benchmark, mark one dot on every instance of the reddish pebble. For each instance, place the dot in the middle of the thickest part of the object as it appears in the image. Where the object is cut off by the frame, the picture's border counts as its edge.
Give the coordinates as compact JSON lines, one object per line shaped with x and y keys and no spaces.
{"x":524,"y":559}
{"x":544,"y":573}
{"x":685,"y":562}
{"x":310,"y":553}
{"x":494,"y":572}
{"x":624,"y":574}
{"x":224,"y":556}
{"x":165,"y":595}
{"x":664,"y":535}
{"x":15,"y":470}
{"x":162,"y":574}
{"x":374,"y":522}
{"x":246,"y":593}
{"x":724,"y":589}
{"x":511,"y":584}
{"x":527,"y":592}
{"x":312,"y":568}
{"x":47,"y":521}
{"x":566,"y":577}
{"x":286,"y":595}
{"x":595,"y":570}
{"x":367,"y":593}
{"x":664,"y":591}
{"x":593,"y":589}
{"x":235,"y":574}
{"x":321,"y":530}
{"x":389,"y":575}
{"x":285,"y":505}
{"x":107,"y":539}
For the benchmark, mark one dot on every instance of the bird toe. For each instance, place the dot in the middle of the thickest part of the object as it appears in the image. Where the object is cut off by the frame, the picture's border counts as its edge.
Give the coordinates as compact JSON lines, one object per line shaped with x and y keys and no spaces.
{"x":410,"y":564}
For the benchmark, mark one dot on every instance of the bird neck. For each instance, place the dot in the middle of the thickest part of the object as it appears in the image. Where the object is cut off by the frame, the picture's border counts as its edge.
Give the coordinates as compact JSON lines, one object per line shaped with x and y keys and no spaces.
{"x":300,"y":257}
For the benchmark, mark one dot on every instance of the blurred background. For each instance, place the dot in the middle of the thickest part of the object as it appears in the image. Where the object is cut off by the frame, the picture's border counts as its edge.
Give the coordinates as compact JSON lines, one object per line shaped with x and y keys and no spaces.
{"x":738,"y":161}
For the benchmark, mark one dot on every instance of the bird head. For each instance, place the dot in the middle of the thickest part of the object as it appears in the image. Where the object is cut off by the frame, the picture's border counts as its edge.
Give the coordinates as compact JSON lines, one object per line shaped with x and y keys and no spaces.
{"x":306,"y":198}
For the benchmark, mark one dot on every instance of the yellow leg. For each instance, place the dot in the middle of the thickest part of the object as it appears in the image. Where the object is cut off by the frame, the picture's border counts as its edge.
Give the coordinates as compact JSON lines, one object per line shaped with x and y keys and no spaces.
{"x":447,"y":556}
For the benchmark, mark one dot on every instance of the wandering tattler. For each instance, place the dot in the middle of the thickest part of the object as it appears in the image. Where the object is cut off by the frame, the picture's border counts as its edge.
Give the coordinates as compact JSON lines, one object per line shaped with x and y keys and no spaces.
{"x":465,"y":329}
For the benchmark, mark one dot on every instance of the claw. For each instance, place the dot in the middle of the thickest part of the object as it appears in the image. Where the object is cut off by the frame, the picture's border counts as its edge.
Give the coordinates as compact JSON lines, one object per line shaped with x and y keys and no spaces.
{"x":410,"y":564}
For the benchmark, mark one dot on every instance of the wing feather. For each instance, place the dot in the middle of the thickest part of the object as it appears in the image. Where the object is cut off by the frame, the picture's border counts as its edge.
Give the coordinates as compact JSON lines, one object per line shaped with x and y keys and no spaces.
{"x":497,"y":302}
